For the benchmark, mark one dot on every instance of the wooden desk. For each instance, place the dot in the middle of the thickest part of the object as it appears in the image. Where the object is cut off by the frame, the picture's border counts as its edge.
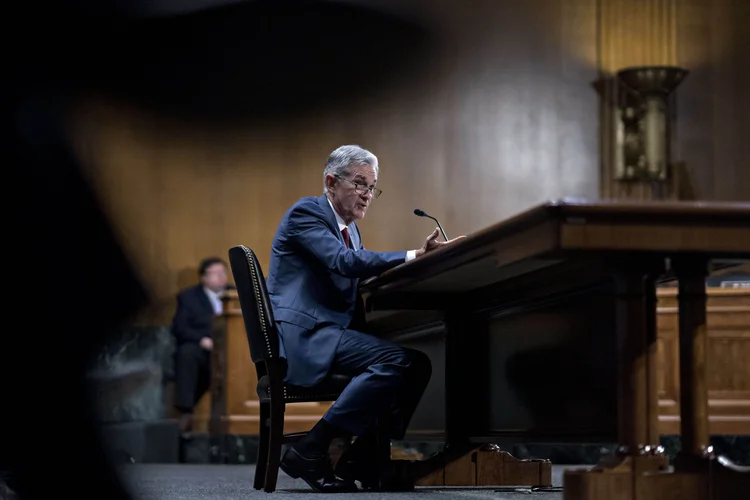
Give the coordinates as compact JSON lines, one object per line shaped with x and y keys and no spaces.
{"x":728,"y":320}
{"x":543,"y":328}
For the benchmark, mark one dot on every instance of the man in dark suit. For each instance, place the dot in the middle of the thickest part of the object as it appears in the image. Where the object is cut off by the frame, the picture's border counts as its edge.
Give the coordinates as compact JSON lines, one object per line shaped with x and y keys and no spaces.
{"x":317,"y":260}
{"x":192,"y":325}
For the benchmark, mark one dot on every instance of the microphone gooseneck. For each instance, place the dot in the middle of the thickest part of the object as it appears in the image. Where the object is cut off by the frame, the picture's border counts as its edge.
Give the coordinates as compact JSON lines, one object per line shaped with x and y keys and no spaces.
{"x":422,"y":213}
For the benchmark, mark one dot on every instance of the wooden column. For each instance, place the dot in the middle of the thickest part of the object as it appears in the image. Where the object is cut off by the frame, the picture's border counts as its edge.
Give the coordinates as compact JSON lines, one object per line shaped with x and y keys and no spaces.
{"x":633,"y":388}
{"x":691,"y":274}
{"x":636,"y":323}
{"x":638,"y":470}
{"x":616,"y":477}
{"x":652,"y":342}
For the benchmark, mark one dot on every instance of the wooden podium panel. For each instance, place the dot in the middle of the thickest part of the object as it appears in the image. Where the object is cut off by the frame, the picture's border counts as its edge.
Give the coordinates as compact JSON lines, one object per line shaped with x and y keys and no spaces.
{"x":728,"y":361}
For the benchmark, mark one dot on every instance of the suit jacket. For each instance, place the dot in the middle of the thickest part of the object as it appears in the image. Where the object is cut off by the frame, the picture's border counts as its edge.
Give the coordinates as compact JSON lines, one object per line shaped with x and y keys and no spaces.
{"x":193,"y":318}
{"x":312,"y":282}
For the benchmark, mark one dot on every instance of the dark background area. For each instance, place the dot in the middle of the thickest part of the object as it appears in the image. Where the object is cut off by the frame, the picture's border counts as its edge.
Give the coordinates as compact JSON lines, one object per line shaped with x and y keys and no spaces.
{"x":240,"y":59}
{"x":72,"y":280}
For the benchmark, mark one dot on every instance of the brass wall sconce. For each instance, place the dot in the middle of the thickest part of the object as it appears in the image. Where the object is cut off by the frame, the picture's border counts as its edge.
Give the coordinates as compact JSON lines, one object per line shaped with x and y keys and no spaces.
{"x":645,"y":106}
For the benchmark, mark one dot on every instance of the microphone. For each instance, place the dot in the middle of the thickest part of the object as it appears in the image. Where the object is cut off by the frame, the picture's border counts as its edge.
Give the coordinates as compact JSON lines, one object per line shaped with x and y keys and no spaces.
{"x":422,"y":213}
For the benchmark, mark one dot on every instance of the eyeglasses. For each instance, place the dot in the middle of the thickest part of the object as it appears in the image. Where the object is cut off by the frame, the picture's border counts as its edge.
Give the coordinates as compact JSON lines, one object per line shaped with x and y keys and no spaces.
{"x":362,"y":188}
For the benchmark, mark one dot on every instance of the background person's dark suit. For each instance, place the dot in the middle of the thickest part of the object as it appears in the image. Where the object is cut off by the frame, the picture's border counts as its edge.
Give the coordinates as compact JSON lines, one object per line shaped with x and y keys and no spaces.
{"x":193,"y":321}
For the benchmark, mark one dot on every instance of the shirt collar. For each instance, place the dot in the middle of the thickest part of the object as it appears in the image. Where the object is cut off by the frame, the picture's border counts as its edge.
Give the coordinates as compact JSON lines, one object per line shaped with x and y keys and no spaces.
{"x":339,"y":219}
{"x":211,"y":293}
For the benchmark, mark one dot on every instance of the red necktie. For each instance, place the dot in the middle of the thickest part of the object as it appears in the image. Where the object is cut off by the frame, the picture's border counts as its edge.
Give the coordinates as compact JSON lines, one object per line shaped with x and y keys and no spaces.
{"x":345,"y":233}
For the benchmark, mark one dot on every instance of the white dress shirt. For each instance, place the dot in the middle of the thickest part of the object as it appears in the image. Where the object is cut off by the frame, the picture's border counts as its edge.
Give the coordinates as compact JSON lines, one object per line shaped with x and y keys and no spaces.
{"x":411,"y":254}
{"x":215,"y":299}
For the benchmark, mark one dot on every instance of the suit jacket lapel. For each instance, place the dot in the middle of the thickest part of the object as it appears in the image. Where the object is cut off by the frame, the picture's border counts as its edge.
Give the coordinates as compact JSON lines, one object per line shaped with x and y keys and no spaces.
{"x":330,"y":217}
{"x":354,"y":236}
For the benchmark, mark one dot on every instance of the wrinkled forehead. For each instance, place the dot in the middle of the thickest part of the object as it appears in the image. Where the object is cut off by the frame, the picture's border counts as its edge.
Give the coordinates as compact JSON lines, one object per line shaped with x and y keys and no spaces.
{"x":363,"y":173}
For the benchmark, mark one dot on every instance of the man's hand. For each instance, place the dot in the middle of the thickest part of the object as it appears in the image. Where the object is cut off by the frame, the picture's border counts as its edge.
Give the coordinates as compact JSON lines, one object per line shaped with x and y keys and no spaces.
{"x":431,"y":243}
{"x":207,"y":343}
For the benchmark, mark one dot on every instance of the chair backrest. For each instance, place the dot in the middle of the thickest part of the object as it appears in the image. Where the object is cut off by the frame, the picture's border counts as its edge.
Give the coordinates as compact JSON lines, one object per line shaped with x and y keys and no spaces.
{"x":262,"y":336}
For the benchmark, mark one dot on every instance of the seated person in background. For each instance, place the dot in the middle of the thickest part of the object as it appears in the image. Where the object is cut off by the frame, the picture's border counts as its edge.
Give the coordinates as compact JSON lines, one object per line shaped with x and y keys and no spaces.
{"x":317,"y":259}
{"x":192,"y":325}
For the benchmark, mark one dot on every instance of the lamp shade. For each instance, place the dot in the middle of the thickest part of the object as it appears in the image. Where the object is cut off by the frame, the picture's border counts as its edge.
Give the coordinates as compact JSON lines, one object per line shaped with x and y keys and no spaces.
{"x":652,"y":79}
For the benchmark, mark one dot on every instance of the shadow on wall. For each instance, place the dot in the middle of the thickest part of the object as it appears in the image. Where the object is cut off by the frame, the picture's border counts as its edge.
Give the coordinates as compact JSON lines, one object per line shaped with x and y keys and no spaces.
{"x":247,"y":59}
{"x":251,"y":59}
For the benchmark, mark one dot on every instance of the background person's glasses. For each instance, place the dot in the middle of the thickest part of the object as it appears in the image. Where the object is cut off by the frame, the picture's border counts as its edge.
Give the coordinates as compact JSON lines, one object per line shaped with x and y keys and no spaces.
{"x":362,"y":188}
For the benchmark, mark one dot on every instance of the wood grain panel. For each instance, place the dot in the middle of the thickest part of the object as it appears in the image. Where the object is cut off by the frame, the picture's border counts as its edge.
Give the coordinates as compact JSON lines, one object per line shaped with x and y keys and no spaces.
{"x":728,"y":370}
{"x":713,"y":104}
{"x":473,"y":138}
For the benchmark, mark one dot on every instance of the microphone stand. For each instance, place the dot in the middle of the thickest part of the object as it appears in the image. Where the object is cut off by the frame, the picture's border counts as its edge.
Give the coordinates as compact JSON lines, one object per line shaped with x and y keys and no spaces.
{"x":422,"y":213}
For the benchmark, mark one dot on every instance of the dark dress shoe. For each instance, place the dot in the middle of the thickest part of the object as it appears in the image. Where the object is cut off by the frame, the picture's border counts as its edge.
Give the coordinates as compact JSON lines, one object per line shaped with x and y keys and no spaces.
{"x":317,"y":472}
{"x":365,"y":471}
{"x":392,"y":476}
{"x":358,"y":463}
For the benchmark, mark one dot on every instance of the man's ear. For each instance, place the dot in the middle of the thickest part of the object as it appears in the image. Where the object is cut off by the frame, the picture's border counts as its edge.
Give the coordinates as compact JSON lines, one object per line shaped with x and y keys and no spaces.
{"x":330,"y":181}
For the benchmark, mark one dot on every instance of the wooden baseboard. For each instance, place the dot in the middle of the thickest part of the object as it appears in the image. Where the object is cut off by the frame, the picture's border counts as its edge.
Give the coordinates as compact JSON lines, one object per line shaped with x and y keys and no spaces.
{"x":489,"y":466}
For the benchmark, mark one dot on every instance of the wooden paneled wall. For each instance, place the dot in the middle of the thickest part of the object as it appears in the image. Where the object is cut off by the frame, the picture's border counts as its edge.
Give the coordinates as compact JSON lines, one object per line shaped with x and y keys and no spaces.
{"x":713,"y":103}
{"x":712,"y":114}
{"x":503,"y":118}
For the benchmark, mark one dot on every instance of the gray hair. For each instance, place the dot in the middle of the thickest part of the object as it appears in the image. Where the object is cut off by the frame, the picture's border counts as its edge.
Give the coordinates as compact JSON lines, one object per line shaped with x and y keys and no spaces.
{"x":343,"y":157}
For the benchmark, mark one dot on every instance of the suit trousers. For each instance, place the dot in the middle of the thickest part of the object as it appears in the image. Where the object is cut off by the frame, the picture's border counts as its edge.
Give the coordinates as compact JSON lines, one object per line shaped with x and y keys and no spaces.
{"x":387,"y":385}
{"x":192,"y":375}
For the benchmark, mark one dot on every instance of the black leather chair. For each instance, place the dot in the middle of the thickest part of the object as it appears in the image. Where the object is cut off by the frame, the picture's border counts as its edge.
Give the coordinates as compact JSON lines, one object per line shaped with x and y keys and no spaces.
{"x":273,"y":393}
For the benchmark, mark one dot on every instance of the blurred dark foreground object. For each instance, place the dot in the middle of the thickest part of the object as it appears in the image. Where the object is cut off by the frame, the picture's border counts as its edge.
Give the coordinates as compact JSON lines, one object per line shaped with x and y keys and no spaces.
{"x":76,"y":286}
{"x":70,"y":281}
{"x":243,"y":61}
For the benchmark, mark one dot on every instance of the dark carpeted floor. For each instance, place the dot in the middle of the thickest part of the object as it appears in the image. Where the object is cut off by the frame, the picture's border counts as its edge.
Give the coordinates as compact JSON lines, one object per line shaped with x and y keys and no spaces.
{"x":235,"y":482}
